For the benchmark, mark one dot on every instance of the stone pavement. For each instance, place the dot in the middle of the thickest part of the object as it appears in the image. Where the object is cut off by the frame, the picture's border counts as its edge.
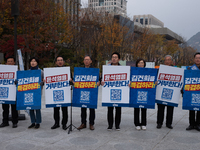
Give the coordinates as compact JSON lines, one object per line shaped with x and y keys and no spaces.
{"x":22,"y":138}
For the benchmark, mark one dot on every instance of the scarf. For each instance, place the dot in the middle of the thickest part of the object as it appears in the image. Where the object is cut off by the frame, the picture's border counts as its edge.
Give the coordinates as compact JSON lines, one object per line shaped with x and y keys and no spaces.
{"x":34,"y":68}
{"x":194,"y":67}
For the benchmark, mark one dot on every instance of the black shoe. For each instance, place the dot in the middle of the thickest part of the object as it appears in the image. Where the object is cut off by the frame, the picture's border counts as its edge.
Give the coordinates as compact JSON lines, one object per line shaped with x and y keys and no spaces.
{"x":109,"y":128}
{"x":117,"y":128}
{"x":37,"y":126}
{"x":159,"y":126}
{"x":32,"y":125}
{"x":198,"y":128}
{"x":190,"y":127}
{"x":169,"y":126}
{"x":64,"y":127}
{"x":4,"y":125}
{"x":55,"y":126}
{"x":14,"y":125}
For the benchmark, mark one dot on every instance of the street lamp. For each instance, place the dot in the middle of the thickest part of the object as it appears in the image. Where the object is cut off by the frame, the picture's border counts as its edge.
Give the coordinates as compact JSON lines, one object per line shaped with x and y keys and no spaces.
{"x":15,"y":13}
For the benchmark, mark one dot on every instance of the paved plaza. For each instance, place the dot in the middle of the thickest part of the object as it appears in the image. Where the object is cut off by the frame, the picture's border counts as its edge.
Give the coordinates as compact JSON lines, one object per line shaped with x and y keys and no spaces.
{"x":128,"y":138}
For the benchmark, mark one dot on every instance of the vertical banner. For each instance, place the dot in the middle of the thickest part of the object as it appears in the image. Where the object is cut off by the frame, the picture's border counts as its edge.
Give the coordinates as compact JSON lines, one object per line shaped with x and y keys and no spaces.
{"x":28,"y":90}
{"x":170,"y":83}
{"x":191,"y":90}
{"x":21,"y":63}
{"x":85,"y":91}
{"x":143,"y":89}
{"x":57,"y":88}
{"x":115,"y":91}
{"x":7,"y":84}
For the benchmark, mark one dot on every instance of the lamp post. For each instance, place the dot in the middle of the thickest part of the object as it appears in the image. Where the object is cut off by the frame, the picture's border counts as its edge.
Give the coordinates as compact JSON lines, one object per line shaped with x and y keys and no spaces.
{"x":15,"y":14}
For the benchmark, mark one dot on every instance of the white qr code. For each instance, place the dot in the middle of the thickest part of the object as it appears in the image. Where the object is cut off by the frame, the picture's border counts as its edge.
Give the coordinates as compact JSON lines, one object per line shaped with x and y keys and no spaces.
{"x":4,"y":92}
{"x":142,"y":96}
{"x":195,"y":98}
{"x":28,"y":98}
{"x":85,"y":96}
{"x":116,"y":94}
{"x":58,"y":95}
{"x":167,"y":93}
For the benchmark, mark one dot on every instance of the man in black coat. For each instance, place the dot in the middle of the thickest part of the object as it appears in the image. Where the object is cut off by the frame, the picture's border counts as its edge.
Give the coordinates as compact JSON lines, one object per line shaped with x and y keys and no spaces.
{"x":161,"y":108}
{"x":9,"y":61}
{"x":115,"y":58}
{"x":60,"y":63}
{"x":194,"y":123}
{"x":87,"y":64}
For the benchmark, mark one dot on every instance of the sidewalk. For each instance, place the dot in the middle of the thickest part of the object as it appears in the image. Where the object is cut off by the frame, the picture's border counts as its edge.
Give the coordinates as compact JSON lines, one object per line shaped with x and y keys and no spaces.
{"x":22,"y":138}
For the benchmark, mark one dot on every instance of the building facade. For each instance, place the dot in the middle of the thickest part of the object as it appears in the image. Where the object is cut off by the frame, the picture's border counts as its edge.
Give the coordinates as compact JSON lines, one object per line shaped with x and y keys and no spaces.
{"x":71,"y":7}
{"x":148,"y":20}
{"x":155,"y":26}
{"x":116,"y":7}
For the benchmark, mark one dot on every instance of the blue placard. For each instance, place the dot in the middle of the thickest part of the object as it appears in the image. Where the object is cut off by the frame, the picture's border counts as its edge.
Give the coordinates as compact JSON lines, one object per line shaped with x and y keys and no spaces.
{"x":191,"y":90}
{"x":85,"y":90}
{"x":28,"y":90}
{"x":142,"y":90}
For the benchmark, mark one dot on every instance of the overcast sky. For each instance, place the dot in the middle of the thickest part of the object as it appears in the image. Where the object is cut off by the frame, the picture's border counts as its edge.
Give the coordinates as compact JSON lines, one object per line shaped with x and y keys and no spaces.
{"x":180,"y":16}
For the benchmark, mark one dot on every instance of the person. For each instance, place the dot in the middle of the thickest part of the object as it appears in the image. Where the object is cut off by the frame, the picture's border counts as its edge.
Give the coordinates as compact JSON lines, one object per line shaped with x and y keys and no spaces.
{"x":140,"y":125}
{"x":9,"y":61}
{"x":161,"y":108}
{"x":115,"y":58}
{"x":194,"y":122}
{"x":87,"y":64}
{"x":56,"y":114}
{"x":35,"y":115}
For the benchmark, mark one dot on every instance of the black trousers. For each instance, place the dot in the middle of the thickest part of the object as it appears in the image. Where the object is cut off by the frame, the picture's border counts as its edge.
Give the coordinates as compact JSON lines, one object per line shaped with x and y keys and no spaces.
{"x":84,"y":116}
{"x":160,"y":114}
{"x":57,"y":115}
{"x":14,"y":113}
{"x":192,"y":120}
{"x":137,"y":117}
{"x":117,"y":116}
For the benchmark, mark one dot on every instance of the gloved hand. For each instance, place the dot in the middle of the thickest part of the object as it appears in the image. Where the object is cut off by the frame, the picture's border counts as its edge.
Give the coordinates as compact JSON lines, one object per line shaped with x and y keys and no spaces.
{"x":16,"y":81}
